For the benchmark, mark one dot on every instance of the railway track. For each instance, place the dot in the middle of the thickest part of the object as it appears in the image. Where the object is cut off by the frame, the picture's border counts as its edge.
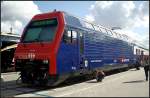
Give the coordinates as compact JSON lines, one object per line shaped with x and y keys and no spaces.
{"x":10,"y":87}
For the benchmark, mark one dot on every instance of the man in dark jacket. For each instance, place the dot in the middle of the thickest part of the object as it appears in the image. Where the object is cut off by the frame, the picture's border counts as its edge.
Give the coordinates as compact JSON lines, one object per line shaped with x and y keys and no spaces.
{"x":146,"y":67}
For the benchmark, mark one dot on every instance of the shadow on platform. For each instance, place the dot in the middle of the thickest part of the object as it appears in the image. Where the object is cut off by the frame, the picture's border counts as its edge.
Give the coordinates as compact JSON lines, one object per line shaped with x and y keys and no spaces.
{"x":136,"y":81}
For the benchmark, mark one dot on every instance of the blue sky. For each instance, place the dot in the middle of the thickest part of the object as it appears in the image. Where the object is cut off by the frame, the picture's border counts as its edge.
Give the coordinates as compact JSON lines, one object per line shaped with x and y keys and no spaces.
{"x":79,"y":8}
{"x":131,"y":16}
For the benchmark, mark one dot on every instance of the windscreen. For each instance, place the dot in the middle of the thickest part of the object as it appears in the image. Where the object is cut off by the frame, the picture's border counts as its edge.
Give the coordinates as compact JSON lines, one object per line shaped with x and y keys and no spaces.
{"x":40,"y":31}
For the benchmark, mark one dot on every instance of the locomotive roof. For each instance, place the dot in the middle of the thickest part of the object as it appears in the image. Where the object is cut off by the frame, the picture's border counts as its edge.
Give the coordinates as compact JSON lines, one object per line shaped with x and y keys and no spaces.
{"x":77,"y":22}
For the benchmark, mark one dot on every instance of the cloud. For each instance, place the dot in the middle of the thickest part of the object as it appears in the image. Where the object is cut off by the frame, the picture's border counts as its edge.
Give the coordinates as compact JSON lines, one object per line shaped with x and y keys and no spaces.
{"x":16,"y":14}
{"x":144,"y":39}
{"x":119,"y":13}
{"x":128,"y":15}
{"x":89,"y":18}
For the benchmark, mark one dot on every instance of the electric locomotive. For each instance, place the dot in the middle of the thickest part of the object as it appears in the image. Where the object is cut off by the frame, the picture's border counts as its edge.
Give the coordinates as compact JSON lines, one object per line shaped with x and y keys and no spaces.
{"x":56,"y":46}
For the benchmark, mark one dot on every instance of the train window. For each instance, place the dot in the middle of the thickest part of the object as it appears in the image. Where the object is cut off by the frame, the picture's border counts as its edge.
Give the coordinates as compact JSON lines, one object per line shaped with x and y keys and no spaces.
{"x":70,"y":36}
{"x":117,"y":35}
{"x":96,"y":28}
{"x":88,"y":25}
{"x":93,"y":27}
{"x":136,"y":51}
{"x":74,"y":36}
{"x":69,"y":33}
{"x":99,"y":29}
{"x":142,"y":52}
{"x":109,"y":32}
{"x":139,"y":52}
{"x":81,"y":43}
{"x":103,"y":30}
{"x":125,"y":37}
{"x":67,"y":36}
{"x":81,"y":34}
{"x":120,"y":36}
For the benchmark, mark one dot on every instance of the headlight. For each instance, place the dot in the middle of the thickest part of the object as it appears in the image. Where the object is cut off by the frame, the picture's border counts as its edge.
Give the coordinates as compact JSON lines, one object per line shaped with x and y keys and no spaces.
{"x":45,"y":61}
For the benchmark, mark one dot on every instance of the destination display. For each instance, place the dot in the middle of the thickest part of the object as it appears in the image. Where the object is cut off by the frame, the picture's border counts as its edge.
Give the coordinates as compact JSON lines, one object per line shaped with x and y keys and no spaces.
{"x":44,"y":22}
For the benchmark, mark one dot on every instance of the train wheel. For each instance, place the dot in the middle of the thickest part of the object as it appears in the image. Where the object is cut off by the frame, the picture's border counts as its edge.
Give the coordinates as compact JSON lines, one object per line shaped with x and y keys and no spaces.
{"x":126,"y":69}
{"x":99,"y":79}
{"x":88,"y":76}
{"x":137,"y":68}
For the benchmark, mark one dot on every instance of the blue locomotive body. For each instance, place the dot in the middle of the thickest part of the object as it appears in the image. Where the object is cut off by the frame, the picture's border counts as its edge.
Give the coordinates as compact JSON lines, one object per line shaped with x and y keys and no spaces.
{"x":84,"y":49}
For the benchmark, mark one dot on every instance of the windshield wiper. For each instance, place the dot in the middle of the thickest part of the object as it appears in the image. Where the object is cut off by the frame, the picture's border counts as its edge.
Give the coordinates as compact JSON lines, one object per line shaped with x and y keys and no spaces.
{"x":26,"y":41}
{"x":30,"y":41}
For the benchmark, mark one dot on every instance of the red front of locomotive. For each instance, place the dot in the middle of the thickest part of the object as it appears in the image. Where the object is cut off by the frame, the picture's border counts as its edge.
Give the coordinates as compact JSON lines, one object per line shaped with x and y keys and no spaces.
{"x":35,"y":55}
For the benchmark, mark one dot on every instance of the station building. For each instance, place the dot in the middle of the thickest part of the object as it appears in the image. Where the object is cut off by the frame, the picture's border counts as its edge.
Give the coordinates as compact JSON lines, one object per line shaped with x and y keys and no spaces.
{"x":8,"y":45}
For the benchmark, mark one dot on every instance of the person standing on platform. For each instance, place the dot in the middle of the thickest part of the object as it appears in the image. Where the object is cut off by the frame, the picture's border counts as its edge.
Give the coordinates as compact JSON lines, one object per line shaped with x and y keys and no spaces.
{"x":146,"y":67}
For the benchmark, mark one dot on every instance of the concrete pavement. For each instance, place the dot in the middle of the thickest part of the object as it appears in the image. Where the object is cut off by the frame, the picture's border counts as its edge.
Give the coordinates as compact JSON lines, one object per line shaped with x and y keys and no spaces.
{"x":125,"y":84}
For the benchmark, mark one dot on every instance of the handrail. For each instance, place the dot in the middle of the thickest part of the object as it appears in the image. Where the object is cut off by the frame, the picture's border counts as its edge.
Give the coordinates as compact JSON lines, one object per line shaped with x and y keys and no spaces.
{"x":124,"y":36}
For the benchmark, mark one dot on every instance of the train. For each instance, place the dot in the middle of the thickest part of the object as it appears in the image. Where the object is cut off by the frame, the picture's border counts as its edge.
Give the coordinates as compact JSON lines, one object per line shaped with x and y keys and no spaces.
{"x":55,"y":46}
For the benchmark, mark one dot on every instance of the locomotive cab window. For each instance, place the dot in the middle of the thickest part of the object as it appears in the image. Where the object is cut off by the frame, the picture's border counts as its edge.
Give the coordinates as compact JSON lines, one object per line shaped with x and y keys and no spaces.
{"x":41,"y":31}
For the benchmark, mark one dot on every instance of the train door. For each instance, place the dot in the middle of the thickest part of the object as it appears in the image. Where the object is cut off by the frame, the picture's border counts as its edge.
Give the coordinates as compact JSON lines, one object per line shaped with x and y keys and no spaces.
{"x":82,"y":60}
{"x":71,"y":49}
